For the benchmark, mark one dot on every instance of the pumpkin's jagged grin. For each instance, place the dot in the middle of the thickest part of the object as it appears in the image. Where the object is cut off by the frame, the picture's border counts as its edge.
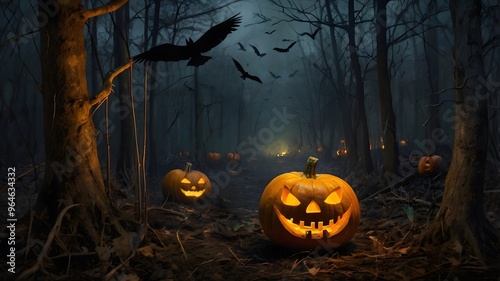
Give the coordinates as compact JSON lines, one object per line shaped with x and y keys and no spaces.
{"x":314,"y":230}
{"x":193,"y":193}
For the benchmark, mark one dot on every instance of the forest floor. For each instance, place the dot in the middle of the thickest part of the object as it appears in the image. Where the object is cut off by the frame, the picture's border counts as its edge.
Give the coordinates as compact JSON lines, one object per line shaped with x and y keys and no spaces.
{"x":224,"y":241}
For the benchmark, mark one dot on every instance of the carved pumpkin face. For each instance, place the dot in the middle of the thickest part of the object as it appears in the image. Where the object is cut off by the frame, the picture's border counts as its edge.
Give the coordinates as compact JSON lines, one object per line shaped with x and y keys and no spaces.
{"x":430,"y":166}
{"x":304,"y":210}
{"x":186,"y":185}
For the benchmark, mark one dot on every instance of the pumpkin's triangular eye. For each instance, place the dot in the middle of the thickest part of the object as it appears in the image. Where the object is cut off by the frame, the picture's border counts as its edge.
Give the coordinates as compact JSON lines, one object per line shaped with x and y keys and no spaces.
{"x":185,"y":180}
{"x":335,"y":197}
{"x":201,"y":181}
{"x":288,"y":198}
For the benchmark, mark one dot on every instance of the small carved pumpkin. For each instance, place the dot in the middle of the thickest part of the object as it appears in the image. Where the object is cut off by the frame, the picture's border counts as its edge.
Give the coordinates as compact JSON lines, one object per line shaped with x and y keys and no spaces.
{"x":213,"y":157}
{"x":233,"y":156}
{"x":186,"y":185}
{"x":302,"y":210}
{"x":430,"y":166}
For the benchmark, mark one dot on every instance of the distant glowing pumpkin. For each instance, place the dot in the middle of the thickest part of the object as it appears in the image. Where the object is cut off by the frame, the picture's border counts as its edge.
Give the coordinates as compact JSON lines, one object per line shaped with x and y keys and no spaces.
{"x":302,"y":210}
{"x":213,"y":157}
{"x":186,"y":185}
{"x":233,"y":156}
{"x":430,"y":166}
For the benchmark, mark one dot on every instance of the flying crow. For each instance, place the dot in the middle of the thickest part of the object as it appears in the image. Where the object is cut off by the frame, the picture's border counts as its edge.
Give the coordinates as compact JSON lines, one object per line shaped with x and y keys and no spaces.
{"x":245,"y":74}
{"x":192,"y":51}
{"x":257,"y":51}
{"x":274,"y":75}
{"x":292,"y":74}
{"x":241,"y":47}
{"x":311,"y":35}
{"x":285,"y":50}
{"x":270,"y":32}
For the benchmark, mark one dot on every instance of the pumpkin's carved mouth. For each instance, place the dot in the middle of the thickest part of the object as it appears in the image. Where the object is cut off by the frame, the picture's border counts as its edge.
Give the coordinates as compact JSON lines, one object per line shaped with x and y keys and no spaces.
{"x":193,"y":193}
{"x":314,"y":230}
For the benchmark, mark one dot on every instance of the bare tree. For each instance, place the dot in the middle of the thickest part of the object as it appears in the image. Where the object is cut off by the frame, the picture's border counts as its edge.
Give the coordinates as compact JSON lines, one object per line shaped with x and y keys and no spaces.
{"x":73,"y":174}
{"x":388,"y":118}
{"x":460,"y":223}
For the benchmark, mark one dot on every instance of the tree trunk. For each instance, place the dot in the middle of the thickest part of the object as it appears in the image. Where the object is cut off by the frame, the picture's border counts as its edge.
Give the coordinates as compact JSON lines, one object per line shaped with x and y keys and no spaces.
{"x":73,"y":173}
{"x":388,"y":119}
{"x":460,"y":223}
{"x":361,"y":124}
{"x":153,"y":159}
{"x":352,"y":156}
{"x":126,"y":163}
{"x":432,"y":63}
{"x":198,"y":120}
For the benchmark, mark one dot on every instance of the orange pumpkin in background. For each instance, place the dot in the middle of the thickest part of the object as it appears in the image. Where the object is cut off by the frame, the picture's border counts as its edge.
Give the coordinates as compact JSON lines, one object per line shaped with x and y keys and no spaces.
{"x":233,"y":156}
{"x":303,"y":210}
{"x":430,"y":166}
{"x":213,"y":157}
{"x":186,"y":186}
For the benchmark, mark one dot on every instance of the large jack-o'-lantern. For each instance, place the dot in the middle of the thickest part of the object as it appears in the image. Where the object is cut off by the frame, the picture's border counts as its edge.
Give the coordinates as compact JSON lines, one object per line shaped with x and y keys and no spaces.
{"x":302,"y":210}
{"x":186,"y":185}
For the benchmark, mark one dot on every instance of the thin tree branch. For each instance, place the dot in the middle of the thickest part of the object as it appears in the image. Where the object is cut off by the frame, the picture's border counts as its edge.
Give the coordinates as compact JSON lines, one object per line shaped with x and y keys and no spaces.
{"x":107,"y":87}
{"x":112,"y":6}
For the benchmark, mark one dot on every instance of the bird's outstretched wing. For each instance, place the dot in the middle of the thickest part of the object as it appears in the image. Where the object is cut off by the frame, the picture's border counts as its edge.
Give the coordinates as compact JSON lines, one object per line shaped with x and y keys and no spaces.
{"x":245,"y":74}
{"x":164,"y":52}
{"x":281,"y":50}
{"x":274,"y":75}
{"x":239,"y":67}
{"x":292,"y":74}
{"x":311,"y":35}
{"x":241,"y":46}
{"x":217,"y":34}
{"x":257,"y":51}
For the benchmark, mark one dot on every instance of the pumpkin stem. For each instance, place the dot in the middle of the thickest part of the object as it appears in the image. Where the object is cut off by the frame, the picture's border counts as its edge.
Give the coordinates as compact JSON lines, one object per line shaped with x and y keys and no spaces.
{"x":310,"y":170}
{"x":187,"y":169}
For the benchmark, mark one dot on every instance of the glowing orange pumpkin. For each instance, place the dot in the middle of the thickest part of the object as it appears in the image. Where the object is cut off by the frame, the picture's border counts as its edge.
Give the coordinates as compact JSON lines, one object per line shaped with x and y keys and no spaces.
{"x":302,"y":210}
{"x":213,"y":157}
{"x":186,"y":185}
{"x":233,"y":156}
{"x":430,"y":166}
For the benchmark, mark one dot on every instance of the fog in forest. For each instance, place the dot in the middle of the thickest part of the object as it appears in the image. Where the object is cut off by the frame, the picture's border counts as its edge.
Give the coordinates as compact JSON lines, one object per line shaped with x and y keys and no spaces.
{"x":234,"y":110}
{"x":370,"y":88}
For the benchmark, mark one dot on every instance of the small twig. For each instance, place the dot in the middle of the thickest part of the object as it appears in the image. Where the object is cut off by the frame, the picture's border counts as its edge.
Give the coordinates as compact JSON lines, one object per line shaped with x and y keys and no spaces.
{"x":22,"y":175}
{"x":39,"y":262}
{"x":392,"y":186}
{"x":235,"y":256}
{"x":180,"y":243}
{"x":447,"y":89}
{"x":114,"y":270}
{"x":169,"y":211}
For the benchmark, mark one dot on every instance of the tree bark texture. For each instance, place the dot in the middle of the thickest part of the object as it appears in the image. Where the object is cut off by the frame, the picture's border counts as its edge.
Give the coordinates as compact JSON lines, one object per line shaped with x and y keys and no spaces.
{"x":460,"y":222}
{"x":73,"y":173}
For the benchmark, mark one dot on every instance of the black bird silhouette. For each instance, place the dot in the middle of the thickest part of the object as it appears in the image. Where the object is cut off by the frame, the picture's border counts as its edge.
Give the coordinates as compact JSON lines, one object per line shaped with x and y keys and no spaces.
{"x":285,"y":50}
{"x":311,"y":35}
{"x":292,"y":74}
{"x":245,"y":74}
{"x":257,"y":51}
{"x":270,"y":32}
{"x":192,"y":50}
{"x":274,"y":75}
{"x":241,"y":47}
